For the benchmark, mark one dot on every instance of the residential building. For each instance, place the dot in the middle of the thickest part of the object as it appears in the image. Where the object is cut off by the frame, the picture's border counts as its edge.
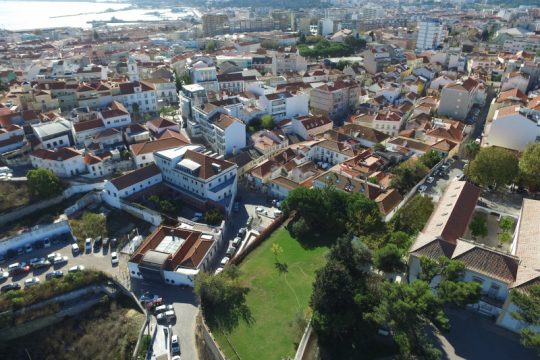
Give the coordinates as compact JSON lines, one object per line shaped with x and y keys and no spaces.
{"x":136,"y":96}
{"x":214,"y":24}
{"x":430,"y":35}
{"x":281,"y":105}
{"x":54,"y":134}
{"x":189,"y":97}
{"x":143,"y":153}
{"x":335,"y":99}
{"x":457,"y":99}
{"x":309,"y":126}
{"x":376,"y":58}
{"x":174,"y":255}
{"x":120,"y":188}
{"x":203,"y":180}
{"x":64,"y":161}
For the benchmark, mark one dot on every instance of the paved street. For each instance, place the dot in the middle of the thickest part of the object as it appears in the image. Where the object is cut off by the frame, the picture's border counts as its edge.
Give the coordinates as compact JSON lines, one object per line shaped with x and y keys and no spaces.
{"x":476,"y":337}
{"x":440,"y":182}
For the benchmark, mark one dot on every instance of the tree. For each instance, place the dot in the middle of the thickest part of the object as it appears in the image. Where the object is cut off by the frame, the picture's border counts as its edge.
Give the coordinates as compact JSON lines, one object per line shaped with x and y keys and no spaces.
{"x":300,"y":228}
{"x":267,"y":122}
{"x":213,"y":217}
{"x":507,"y":223}
{"x":478,"y":225}
{"x":269,"y":44}
{"x":408,"y":309}
{"x":177,"y":81}
{"x":95,"y":35}
{"x":485,"y":35}
{"x":407,"y":174}
{"x":430,"y":159}
{"x":210,"y":46}
{"x":43,"y":183}
{"x":493,"y":166}
{"x":223,"y":299}
{"x":342,"y":64}
{"x":472,"y":148}
{"x":168,"y":111}
{"x":356,"y":43}
{"x":414,"y":215}
{"x":379,"y":147}
{"x":302,"y":38}
{"x":504,"y":237}
{"x":276,"y":250}
{"x":389,"y":259}
{"x":528,"y":305}
{"x":529,"y":165}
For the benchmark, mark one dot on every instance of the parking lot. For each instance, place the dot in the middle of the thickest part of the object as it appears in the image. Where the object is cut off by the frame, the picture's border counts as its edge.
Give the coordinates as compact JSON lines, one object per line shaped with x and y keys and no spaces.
{"x":435,"y":187}
{"x":94,"y":259}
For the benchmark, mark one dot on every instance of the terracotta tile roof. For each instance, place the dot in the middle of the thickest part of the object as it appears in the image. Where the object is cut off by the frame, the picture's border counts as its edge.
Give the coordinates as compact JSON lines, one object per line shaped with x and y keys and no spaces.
{"x":160,"y":122}
{"x":156,"y":145}
{"x":60,"y":154}
{"x":528,"y":241}
{"x":171,"y":133}
{"x":363,"y":132}
{"x":388,"y":200}
{"x":507,"y":111}
{"x":88,"y":125}
{"x":135,"y":176}
{"x":512,"y":94}
{"x":206,"y":169}
{"x":434,"y":249}
{"x":489,"y":262}
{"x":223,"y":121}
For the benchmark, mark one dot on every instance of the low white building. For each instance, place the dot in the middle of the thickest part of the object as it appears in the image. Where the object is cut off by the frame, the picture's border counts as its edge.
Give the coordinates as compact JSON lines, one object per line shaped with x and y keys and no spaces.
{"x":511,"y":129}
{"x":64,"y":162}
{"x":129,"y":184}
{"x":174,"y":255}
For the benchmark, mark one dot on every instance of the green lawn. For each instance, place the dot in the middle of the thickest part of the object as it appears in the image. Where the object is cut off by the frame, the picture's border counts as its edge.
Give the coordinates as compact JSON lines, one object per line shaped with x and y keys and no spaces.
{"x":274,"y":299}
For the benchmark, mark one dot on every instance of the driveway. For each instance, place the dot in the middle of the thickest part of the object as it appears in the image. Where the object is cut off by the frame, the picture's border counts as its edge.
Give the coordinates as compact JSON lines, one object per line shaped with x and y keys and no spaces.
{"x":475,"y":337}
{"x":185,"y":306}
{"x":440,"y":182}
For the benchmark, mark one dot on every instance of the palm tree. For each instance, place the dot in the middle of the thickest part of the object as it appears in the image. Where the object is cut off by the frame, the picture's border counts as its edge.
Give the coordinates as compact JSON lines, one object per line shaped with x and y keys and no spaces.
{"x":472,"y":148}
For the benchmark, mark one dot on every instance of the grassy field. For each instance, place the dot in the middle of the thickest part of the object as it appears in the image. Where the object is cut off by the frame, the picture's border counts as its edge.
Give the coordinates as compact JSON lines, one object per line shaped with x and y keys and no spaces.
{"x":275,"y":298}
{"x":13,"y":195}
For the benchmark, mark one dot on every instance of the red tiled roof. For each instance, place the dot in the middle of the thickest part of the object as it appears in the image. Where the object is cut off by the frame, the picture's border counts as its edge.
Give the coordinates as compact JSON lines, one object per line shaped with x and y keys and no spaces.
{"x":135,"y":176}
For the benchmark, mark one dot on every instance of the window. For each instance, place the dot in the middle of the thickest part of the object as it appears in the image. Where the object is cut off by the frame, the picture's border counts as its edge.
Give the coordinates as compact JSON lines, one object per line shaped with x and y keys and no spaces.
{"x":493,"y":290}
{"x":478,"y":279}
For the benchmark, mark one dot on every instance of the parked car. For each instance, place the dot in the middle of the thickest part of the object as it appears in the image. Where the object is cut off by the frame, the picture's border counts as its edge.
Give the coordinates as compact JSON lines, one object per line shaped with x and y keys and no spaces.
{"x":236,"y":241}
{"x":28,"y":248}
{"x":114,"y":258}
{"x":88,"y":244}
{"x":60,"y":260}
{"x":76,"y":268}
{"x":259,"y":209}
{"x":3,"y":275}
{"x":54,"y":274}
{"x":230,"y":251}
{"x":9,"y":287}
{"x":105,"y":242}
{"x":147,"y":296}
{"x":18,"y":268}
{"x":113,"y":243}
{"x":224,"y":261}
{"x":47,"y":243}
{"x":97,"y":243}
{"x":236,"y":207}
{"x":31,"y":282}
{"x":218,"y":270}
{"x":75,"y":249}
{"x":41,"y":264}
{"x":163,"y":308}
{"x":422,"y":188}
{"x":175,"y":345}
{"x":33,"y":261}
{"x":166,"y":315}
{"x":242,"y":232}
{"x":53,"y":255}
{"x":176,"y":357}
{"x":430,"y":179}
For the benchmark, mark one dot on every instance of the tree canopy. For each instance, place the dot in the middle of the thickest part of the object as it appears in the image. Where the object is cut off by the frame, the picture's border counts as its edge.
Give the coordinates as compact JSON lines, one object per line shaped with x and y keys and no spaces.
{"x":43,"y":183}
{"x":528,"y":303}
{"x":414,"y":215}
{"x":407,"y":174}
{"x":223,"y":299}
{"x":478,"y":225}
{"x":493,"y":166}
{"x":529,"y":165}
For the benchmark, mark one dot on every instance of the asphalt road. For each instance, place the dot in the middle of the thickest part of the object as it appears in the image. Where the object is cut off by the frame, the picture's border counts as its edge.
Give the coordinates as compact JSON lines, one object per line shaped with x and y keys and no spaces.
{"x":473,"y":336}
{"x":440,"y":183}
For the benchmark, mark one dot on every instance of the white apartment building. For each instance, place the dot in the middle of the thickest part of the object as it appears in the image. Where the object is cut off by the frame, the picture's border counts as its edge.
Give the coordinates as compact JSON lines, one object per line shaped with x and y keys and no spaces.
{"x":283,"y":105}
{"x":205,"y":180}
{"x":137,"y":92}
{"x":430,"y":35}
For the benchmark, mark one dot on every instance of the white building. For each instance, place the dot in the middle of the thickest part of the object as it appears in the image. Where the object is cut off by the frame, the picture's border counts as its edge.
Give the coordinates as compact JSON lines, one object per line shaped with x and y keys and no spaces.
{"x":204,"y":180}
{"x":283,"y":105}
{"x":129,"y":184}
{"x":54,"y":134}
{"x":430,"y":35}
{"x":64,"y":162}
{"x":511,"y":129}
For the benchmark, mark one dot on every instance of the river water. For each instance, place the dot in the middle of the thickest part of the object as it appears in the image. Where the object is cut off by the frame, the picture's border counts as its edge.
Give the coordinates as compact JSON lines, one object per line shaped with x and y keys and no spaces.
{"x":21,"y":15}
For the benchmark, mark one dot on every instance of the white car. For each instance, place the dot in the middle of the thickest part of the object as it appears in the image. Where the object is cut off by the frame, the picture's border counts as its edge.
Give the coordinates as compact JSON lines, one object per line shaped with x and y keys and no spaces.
{"x":31,"y":282}
{"x":175,"y":345}
{"x":76,"y":268}
{"x":166,"y":315}
{"x":218,"y":270}
{"x":75,"y":248}
{"x":163,"y":308}
{"x":422,"y":188}
{"x":114,"y":258}
{"x":259,"y":209}
{"x":4,"y":275}
{"x":224,"y":261}
{"x":430,"y":179}
{"x":60,"y":260}
{"x":52,"y":256}
{"x":176,"y":357}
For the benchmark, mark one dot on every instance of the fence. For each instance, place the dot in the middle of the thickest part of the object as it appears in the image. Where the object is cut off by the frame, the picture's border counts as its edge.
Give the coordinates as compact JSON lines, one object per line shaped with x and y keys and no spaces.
{"x":206,"y":344}
{"x":258,"y":240}
{"x":29,"y":209}
{"x":142,"y":212}
{"x":304,"y":342}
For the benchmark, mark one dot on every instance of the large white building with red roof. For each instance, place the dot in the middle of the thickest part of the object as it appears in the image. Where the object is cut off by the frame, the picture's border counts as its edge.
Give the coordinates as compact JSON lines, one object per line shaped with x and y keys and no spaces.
{"x":64,"y":161}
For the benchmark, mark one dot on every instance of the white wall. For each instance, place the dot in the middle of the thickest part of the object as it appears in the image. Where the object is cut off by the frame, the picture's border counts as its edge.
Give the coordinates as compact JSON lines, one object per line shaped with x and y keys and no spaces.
{"x":38,"y":232}
{"x":512,"y":132}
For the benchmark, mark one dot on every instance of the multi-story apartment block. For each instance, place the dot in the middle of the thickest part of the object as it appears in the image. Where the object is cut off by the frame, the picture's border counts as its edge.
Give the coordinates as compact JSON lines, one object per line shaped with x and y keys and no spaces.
{"x":288,"y":60}
{"x":214,"y":24}
{"x":189,"y":97}
{"x":458,"y":98}
{"x":335,"y":99}
{"x":64,"y":161}
{"x":165,"y":91}
{"x":430,"y":35}
{"x":285,"y":104}
{"x":376,"y":58}
{"x":137,"y":96}
{"x":205,"y":180}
